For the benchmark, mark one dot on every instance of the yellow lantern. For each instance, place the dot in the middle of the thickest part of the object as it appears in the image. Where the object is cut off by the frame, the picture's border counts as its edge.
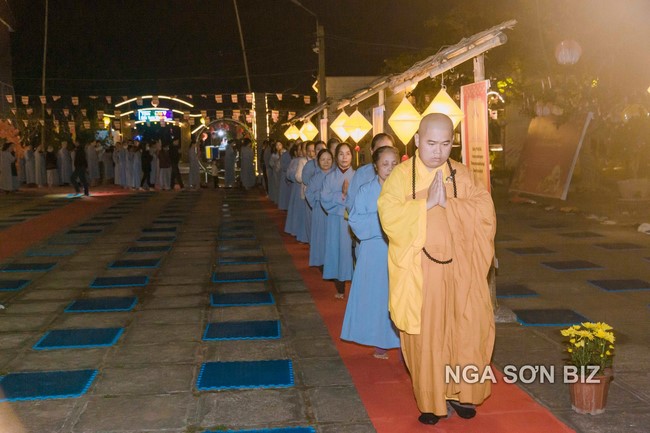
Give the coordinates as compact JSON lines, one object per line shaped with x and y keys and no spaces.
{"x":292,"y":133}
{"x":357,"y":126}
{"x":443,"y":103}
{"x":405,"y":121}
{"x":107,"y":121}
{"x":308,"y":131}
{"x":338,"y":126}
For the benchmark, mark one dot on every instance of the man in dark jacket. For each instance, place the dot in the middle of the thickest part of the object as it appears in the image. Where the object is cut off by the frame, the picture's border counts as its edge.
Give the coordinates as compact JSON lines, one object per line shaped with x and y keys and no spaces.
{"x":175,"y":156}
{"x":80,"y":166}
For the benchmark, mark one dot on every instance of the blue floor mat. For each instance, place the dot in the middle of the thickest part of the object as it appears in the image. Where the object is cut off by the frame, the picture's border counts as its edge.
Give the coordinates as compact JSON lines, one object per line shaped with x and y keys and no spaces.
{"x":102,"y":305}
{"x":46,"y":385}
{"x":245,"y":374}
{"x":144,"y":263}
{"x":241,"y":299}
{"x":619,"y":246}
{"x":156,"y":239}
{"x":27,"y":267}
{"x":78,"y":338}
{"x":149,"y":249}
{"x":268,"y":430}
{"x":585,"y":234}
{"x":529,"y":251}
{"x":13,"y":285}
{"x":572,"y":265}
{"x":83,"y":231}
{"x":514,"y":291}
{"x":124,"y":281}
{"x":238,"y":277}
{"x":238,"y":247}
{"x":549,"y":317}
{"x":247,"y":330}
{"x":620,"y":285}
{"x":236,"y":236}
{"x":242,"y":260}
{"x":51,"y":252}
{"x":159,"y":230}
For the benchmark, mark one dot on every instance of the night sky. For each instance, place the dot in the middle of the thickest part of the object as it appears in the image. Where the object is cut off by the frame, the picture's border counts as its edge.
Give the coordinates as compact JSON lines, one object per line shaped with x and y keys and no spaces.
{"x":132,"y":47}
{"x":192,"y":46}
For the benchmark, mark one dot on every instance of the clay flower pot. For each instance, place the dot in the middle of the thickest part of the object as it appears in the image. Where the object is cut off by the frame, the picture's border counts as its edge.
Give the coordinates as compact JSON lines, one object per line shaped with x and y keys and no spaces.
{"x":591,"y":398}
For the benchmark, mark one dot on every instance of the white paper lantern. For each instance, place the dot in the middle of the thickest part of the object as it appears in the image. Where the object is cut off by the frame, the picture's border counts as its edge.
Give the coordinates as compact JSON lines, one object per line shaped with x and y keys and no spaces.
{"x":568,"y":52}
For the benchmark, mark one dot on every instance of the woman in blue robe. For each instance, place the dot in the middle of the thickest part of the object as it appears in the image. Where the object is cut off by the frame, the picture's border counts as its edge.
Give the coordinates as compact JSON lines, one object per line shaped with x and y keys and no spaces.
{"x":229,"y":164}
{"x":338,"y":246}
{"x":290,"y":221}
{"x":284,"y":190}
{"x":136,"y":166}
{"x":247,"y":173}
{"x":303,"y":212}
{"x":318,"y":215}
{"x":367,"y":320}
{"x":274,"y":172}
{"x":30,"y":168}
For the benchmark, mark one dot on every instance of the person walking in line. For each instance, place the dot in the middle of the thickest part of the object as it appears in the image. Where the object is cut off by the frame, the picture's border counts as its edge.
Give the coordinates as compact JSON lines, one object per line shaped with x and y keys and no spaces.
{"x":195,"y":168}
{"x":175,"y":158}
{"x":318,"y":233}
{"x":247,"y":172}
{"x":80,"y":167}
{"x":366,"y":319}
{"x":338,"y":245}
{"x":165,"y":171}
{"x":52,"y":172}
{"x":7,"y":159}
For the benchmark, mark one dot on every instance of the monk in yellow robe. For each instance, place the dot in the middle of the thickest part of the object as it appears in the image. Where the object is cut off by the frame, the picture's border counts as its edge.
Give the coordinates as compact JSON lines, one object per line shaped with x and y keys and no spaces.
{"x":440,"y":226}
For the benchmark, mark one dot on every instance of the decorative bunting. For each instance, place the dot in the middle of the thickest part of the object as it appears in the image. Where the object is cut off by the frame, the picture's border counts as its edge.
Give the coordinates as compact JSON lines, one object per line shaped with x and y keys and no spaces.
{"x":56,"y":97}
{"x":83,"y":112}
{"x":191,"y":121}
{"x":13,"y":110}
{"x":249,"y":118}
{"x":138,"y":101}
{"x":155,"y":101}
{"x":307,"y":99}
{"x":100,"y":114}
{"x":43,"y":99}
{"x":204,"y":96}
{"x":124,"y":98}
{"x":66,"y":112}
{"x":41,"y":121}
{"x":218,"y":99}
{"x":117,"y":124}
{"x":86,"y":124}
{"x":25,"y":122}
{"x":25,"y":100}
{"x":275,"y":115}
{"x":234,"y":98}
{"x":279,"y":96}
{"x":117,"y":113}
{"x":186,"y":114}
{"x":235,"y":114}
{"x":10,"y":98}
{"x":291,"y":115}
{"x":204,"y":113}
{"x":29,"y":110}
{"x":93,"y":96}
{"x":48,"y":111}
{"x":219,"y":114}
{"x":75,"y":100}
{"x":249,"y":98}
{"x":109,"y":100}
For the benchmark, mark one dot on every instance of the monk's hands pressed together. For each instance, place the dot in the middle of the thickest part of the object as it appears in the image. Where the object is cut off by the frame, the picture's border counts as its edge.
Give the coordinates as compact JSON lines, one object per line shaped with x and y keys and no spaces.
{"x":344,"y":190}
{"x":437,"y":194}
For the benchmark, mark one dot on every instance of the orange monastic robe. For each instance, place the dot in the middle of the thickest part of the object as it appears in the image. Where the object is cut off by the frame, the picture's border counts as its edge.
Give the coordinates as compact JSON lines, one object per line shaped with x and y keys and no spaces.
{"x":444,"y":312}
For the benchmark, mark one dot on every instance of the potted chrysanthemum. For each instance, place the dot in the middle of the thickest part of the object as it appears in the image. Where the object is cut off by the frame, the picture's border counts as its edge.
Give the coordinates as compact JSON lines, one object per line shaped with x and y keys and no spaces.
{"x":591,"y":349}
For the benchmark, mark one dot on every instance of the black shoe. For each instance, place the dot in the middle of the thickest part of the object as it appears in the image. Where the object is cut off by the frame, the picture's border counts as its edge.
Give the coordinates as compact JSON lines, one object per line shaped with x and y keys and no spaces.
{"x":465,"y":411}
{"x":428,"y":418}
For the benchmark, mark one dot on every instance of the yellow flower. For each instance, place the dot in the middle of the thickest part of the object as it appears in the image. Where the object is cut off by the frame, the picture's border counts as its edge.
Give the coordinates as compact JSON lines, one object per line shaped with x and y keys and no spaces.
{"x":569,"y":350}
{"x":580,"y":343}
{"x":611,"y":346}
{"x":602,"y":356}
{"x":573,"y":340}
{"x":608,"y":353}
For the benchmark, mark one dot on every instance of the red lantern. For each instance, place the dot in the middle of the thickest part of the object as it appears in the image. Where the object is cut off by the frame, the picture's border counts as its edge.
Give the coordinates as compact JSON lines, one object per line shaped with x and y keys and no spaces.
{"x":405,"y":157}
{"x":357,"y":148}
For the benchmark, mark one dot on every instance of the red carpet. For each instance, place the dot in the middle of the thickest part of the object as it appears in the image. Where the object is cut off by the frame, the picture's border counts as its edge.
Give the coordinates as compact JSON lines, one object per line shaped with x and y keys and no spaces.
{"x":385,"y":387}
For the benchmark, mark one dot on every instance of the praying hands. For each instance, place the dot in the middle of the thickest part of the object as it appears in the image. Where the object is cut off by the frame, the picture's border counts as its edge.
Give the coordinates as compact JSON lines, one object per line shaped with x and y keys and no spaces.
{"x":437,"y":194}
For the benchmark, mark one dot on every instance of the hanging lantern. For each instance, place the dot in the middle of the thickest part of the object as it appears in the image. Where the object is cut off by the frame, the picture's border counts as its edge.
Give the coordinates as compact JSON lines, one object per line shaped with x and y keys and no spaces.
{"x":338,"y":126}
{"x":443,"y":103}
{"x":357,"y":126}
{"x":308,"y":131}
{"x":292,"y":133}
{"x":568,"y":52}
{"x":405,"y":121}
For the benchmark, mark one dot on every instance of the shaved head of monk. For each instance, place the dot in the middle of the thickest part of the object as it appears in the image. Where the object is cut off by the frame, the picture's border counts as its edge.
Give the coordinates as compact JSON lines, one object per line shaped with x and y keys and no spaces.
{"x":434,"y":139}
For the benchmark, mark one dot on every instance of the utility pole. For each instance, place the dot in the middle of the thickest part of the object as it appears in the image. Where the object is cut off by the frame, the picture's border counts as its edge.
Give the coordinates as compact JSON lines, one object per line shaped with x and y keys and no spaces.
{"x":43,"y":75}
{"x":243,"y":47}
{"x":322,"y":85}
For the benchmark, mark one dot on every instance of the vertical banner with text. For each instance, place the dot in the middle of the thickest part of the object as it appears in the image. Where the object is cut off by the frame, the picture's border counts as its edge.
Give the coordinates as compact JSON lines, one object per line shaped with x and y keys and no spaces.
{"x":476,"y":147}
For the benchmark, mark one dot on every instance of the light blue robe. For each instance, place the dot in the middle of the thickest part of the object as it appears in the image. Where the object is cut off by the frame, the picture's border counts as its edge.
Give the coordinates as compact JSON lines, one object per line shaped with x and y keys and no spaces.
{"x":136,"y":169}
{"x":284,"y":190}
{"x":274,"y":177}
{"x":363,"y":175}
{"x":65,"y":166}
{"x":30,"y":169}
{"x":155,"y":168}
{"x":338,"y":246}
{"x":39,"y":168}
{"x":297,"y":215}
{"x":93,"y":163}
{"x":366,"y":319}
{"x":195,"y":169}
{"x":107,"y":160}
{"x":300,"y":173}
{"x":309,"y":170}
{"x":247,"y":173}
{"x":289,"y":223}
{"x":318,"y":219}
